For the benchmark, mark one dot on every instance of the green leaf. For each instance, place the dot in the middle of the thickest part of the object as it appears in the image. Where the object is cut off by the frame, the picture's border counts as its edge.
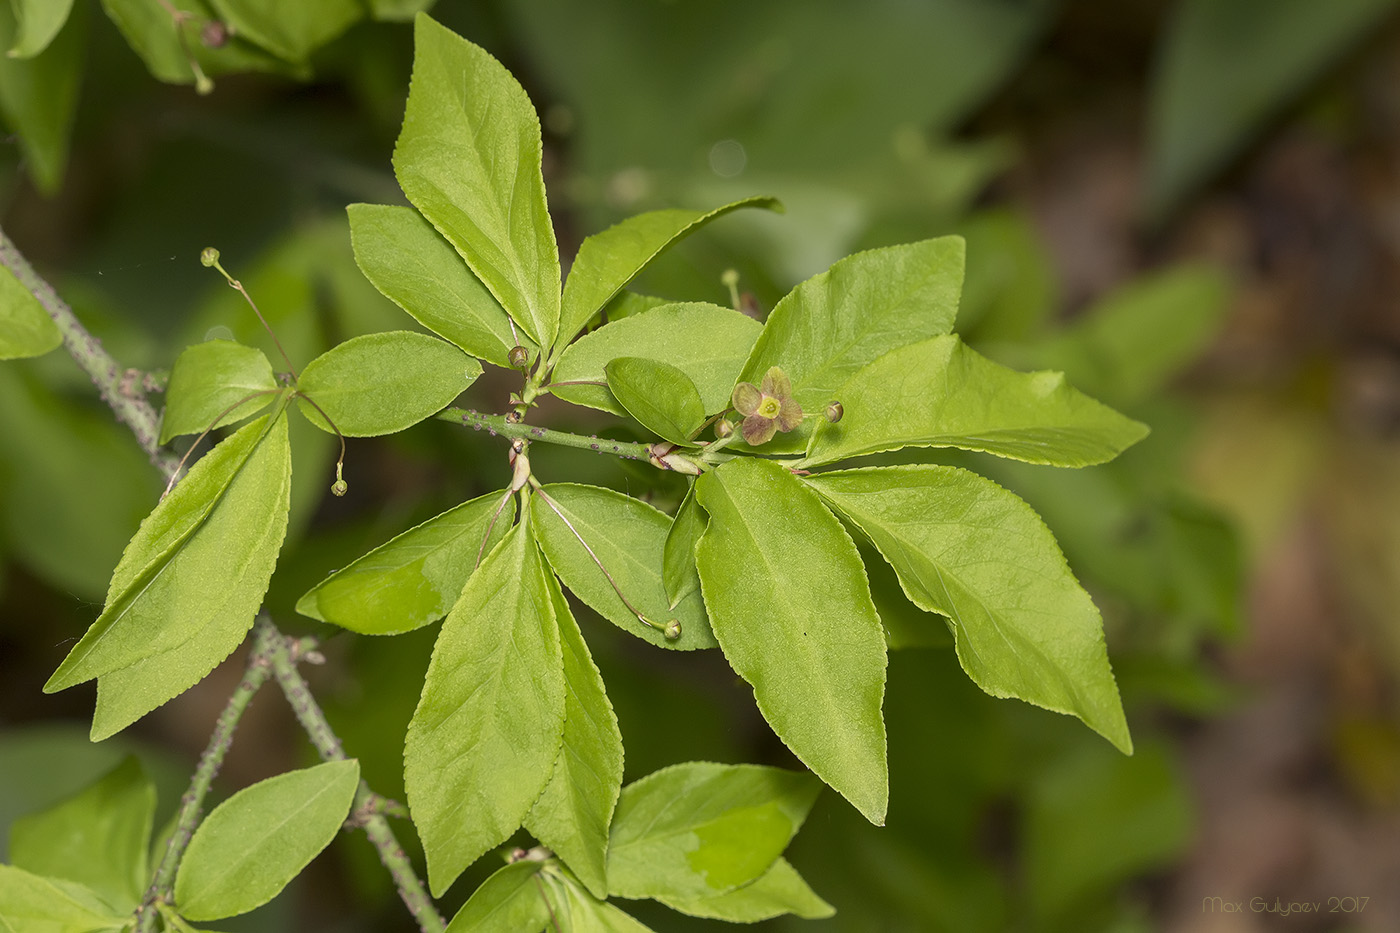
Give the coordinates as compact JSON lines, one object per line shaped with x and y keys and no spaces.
{"x":383,"y":383}
{"x":658,"y":395}
{"x":828,"y":327}
{"x":627,"y":537}
{"x":98,"y":837}
{"x":574,"y":910}
{"x":789,"y":603}
{"x":39,"y":95}
{"x":939,"y":393}
{"x":700,"y":829}
{"x":412,"y":265}
{"x":38,"y":22}
{"x":291,"y":31}
{"x":486,"y":733}
{"x":414,"y":578}
{"x":779,"y":890}
{"x":33,"y":904}
{"x":574,"y":811}
{"x":964,"y":547}
{"x":127,"y":694}
{"x":608,"y":260}
{"x":25,"y":327}
{"x":706,"y":342}
{"x":200,"y":563}
{"x":207,"y":382}
{"x":469,"y":158}
{"x":150,"y":30}
{"x":1226,"y":69}
{"x":678,"y":556}
{"x":253,"y":844}
{"x":510,"y":901}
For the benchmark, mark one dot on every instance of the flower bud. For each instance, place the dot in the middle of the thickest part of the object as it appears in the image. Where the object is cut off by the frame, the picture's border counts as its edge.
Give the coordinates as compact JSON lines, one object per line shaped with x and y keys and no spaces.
{"x":214,"y":35}
{"x":340,"y":487}
{"x":673,"y":630}
{"x":834,"y":411}
{"x":209,"y":256}
{"x":724,"y":427}
{"x":519,"y":357}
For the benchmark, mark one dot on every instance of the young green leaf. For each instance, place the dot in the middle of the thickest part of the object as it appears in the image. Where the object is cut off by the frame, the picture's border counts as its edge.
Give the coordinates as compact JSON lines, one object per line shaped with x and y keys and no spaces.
{"x":208,"y":380}
{"x":382,"y":383}
{"x":574,"y":811}
{"x":98,"y":837}
{"x":200,"y":563}
{"x":939,"y":393}
{"x":700,"y":829}
{"x":678,"y":556}
{"x":414,"y":578}
{"x":788,"y":599}
{"x":573,"y":909}
{"x":291,"y":31}
{"x":627,"y":537}
{"x":469,"y":158}
{"x":248,"y":849}
{"x":780,"y":890}
{"x":867,"y":304}
{"x":48,"y":905}
{"x":658,"y":395}
{"x":25,"y":327}
{"x":510,"y":901}
{"x":38,"y":21}
{"x":487,"y":730}
{"x":413,"y":266}
{"x":38,"y":96}
{"x":608,"y":260}
{"x":706,"y":342}
{"x":964,"y":547}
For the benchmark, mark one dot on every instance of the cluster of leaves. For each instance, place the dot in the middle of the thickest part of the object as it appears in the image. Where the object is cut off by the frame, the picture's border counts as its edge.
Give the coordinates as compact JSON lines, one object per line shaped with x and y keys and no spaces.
{"x":514,"y":726}
{"x":180,"y":41}
{"x":83,"y":864}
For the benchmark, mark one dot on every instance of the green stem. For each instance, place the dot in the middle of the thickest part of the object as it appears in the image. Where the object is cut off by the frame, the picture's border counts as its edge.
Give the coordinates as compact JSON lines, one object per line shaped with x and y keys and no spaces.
{"x":497,"y":424}
{"x":381,"y":835}
{"x":192,"y":803}
{"x":130,"y":408}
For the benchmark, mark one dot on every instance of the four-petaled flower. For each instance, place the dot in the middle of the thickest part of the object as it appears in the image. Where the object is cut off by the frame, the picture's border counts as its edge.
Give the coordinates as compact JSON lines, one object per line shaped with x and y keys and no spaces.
{"x":767,"y":409}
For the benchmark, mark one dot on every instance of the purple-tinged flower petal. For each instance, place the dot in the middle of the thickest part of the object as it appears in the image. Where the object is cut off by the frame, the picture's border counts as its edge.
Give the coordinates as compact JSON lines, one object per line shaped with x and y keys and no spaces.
{"x":746,"y":398}
{"x":758,"y":430}
{"x":790,"y":416}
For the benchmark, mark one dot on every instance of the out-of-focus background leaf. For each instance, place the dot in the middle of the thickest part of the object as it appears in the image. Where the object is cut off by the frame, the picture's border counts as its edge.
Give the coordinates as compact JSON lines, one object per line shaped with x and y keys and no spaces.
{"x":1187,"y":206}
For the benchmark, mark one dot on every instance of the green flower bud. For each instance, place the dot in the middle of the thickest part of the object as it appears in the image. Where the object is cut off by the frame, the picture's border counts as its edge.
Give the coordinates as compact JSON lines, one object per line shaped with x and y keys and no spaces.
{"x":340,"y":487}
{"x":724,"y":427}
{"x":519,"y":357}
{"x":834,"y":411}
{"x":673,"y":630}
{"x":209,"y":256}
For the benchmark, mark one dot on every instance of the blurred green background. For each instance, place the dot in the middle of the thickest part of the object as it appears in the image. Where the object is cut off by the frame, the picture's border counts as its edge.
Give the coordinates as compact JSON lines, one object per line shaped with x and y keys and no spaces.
{"x":1190,"y":206}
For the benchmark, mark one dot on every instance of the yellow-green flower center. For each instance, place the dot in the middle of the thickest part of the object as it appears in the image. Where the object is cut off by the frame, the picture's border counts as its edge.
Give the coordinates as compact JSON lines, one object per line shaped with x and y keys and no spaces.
{"x":769,"y":407}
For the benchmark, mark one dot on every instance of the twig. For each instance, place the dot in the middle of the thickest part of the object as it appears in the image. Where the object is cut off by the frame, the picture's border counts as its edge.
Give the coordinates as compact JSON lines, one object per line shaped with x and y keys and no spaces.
{"x":192,"y":803}
{"x":133,"y":411}
{"x":497,"y":424}
{"x":381,"y":835}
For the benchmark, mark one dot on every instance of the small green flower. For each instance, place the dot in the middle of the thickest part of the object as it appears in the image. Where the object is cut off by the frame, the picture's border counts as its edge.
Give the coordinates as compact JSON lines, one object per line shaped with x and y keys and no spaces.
{"x":767,"y":409}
